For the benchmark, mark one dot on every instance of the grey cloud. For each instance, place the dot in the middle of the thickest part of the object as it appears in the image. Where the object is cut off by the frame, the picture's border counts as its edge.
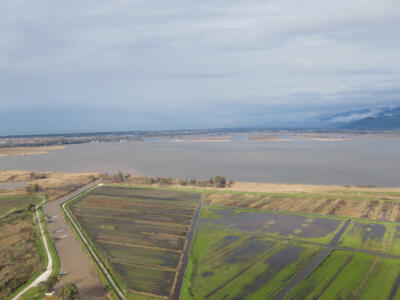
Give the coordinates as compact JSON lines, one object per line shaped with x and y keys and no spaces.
{"x":146,"y":56}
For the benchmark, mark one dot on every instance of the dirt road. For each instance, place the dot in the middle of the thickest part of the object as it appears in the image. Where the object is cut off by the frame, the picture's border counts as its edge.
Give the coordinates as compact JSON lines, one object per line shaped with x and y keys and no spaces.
{"x":46,"y":274}
{"x":74,"y":261}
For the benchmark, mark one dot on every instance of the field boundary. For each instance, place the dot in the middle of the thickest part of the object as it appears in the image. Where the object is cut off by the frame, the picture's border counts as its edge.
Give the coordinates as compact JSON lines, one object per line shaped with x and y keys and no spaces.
{"x":109,"y":278}
{"x":287,"y":212}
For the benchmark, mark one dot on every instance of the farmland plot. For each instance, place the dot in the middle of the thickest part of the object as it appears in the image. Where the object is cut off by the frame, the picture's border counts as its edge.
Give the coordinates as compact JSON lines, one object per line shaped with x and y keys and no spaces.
{"x":258,"y":221}
{"x":141,"y":233}
{"x":349,"y":275}
{"x":9,"y":203}
{"x":231,"y":264}
{"x":366,"y":235}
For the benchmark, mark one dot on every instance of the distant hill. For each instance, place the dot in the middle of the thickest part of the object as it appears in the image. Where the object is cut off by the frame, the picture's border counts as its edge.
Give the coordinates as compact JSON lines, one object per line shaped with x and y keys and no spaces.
{"x":381,"y":118}
{"x":390,"y":122}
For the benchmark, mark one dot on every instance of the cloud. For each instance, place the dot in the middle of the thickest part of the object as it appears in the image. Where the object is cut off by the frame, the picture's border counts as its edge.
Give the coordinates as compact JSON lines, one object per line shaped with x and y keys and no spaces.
{"x":352,"y":117}
{"x":148,"y":55}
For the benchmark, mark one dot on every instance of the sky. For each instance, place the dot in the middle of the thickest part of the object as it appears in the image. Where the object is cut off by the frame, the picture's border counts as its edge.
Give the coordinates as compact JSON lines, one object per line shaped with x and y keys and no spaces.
{"x":70,"y":66}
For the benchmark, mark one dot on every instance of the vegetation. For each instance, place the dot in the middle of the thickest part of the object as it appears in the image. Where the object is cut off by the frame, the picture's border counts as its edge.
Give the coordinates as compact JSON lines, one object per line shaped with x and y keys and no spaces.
{"x":232,"y":265}
{"x":347,"y":275}
{"x":21,"y":251}
{"x":383,"y":206}
{"x":49,"y":284}
{"x":68,"y":292}
{"x":216,"y":182}
{"x":32,"y":188}
{"x":274,"y":224}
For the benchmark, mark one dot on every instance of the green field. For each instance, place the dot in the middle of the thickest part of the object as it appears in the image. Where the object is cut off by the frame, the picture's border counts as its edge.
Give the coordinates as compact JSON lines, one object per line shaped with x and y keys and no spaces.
{"x":366,"y":235}
{"x":349,"y":275}
{"x":231,"y":265}
{"x":12,"y":203}
{"x":302,"y":227}
{"x":140,"y":233}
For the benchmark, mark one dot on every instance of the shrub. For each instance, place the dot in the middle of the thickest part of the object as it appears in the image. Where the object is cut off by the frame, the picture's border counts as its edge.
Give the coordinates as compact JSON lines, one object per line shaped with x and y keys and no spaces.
{"x":219,"y":181}
{"x":68,"y":292}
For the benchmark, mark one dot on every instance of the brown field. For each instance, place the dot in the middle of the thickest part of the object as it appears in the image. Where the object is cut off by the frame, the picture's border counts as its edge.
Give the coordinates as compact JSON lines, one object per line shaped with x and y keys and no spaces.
{"x":15,"y":151}
{"x":19,"y":255}
{"x":141,"y":233}
{"x":204,"y":139}
{"x":52,"y":184}
{"x":369,"y":205}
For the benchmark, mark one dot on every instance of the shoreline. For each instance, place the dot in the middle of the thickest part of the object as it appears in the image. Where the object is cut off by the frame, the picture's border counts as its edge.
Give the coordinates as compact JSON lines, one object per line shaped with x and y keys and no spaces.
{"x":23,"y":151}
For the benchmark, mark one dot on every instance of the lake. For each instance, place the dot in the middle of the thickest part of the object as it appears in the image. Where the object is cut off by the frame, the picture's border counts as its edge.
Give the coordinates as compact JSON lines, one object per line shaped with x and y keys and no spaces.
{"x":313,"y":162}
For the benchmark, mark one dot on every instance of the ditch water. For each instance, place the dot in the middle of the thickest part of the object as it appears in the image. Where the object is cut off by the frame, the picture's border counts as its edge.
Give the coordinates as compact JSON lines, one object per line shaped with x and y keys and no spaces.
{"x":181,"y":272}
{"x":315,"y":262}
{"x":313,"y":162}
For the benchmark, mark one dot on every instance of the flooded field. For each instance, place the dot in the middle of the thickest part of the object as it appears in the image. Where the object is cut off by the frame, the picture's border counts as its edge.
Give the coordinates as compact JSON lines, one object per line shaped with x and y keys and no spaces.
{"x":366,"y":235}
{"x":140,"y":232}
{"x":257,"y":221}
{"x":229,"y":265}
{"x":313,"y":162}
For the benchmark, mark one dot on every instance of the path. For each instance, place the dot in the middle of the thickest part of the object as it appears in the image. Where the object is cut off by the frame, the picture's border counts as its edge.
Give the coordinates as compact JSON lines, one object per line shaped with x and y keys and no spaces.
{"x":46,"y":274}
{"x":74,"y":261}
{"x":176,"y":290}
{"x":315,"y":262}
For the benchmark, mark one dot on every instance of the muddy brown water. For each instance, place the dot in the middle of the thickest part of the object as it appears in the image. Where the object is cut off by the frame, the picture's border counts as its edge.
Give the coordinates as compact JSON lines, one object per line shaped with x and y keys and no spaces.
{"x":74,"y":261}
{"x":312,"y":162}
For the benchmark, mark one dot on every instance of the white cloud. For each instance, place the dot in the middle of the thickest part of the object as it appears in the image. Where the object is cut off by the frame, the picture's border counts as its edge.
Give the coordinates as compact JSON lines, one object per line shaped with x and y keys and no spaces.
{"x":353,"y":117}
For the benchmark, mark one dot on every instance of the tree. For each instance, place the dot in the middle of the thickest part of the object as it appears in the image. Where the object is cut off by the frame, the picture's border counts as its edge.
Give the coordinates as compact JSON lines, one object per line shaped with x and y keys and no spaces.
{"x":220,"y":181}
{"x":31,"y":207}
{"x":35,"y":188}
{"x":32,"y":188}
{"x":120,"y":176}
{"x":49,"y":284}
{"x":68,"y":292}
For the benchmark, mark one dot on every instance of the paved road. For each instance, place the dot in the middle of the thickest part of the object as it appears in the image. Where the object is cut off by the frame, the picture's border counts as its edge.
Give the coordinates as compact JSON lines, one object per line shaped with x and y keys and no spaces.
{"x":74,"y":261}
{"x":46,"y":274}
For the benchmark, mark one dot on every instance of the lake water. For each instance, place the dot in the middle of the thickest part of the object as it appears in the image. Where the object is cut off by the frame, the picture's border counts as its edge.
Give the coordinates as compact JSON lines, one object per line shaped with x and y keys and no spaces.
{"x":314,"y":162}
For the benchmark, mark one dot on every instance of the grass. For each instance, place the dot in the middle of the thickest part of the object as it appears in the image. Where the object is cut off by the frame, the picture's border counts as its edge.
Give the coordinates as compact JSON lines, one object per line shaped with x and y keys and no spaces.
{"x":345,"y":275}
{"x":368,"y":235}
{"x":35,"y":292}
{"x":21,"y":252}
{"x":10,"y":204}
{"x":381,"y":282}
{"x":137,"y":229}
{"x":301,"y":227}
{"x":313,"y":285}
{"x":228,"y":265}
